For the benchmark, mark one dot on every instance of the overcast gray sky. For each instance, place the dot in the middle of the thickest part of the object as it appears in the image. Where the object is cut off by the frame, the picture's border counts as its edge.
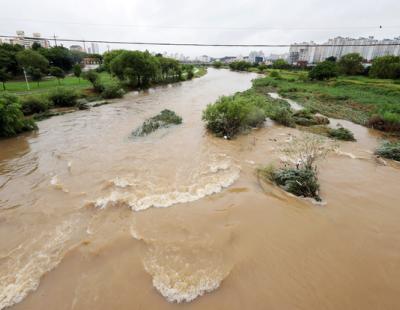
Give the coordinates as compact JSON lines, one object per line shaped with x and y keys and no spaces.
{"x":207,"y":21}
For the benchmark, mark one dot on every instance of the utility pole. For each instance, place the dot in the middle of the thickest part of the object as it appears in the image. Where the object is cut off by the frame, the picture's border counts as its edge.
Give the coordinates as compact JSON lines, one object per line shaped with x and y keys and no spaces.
{"x":55,"y":39}
{"x":84,"y":46}
{"x":26,"y":79}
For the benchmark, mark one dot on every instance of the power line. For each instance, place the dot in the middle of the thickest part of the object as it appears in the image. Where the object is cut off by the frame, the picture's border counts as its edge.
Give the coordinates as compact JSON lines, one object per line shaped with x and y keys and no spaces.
{"x":208,"y":44}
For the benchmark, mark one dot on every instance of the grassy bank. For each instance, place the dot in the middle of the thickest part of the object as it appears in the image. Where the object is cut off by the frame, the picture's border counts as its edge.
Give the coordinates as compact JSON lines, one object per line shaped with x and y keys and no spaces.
{"x":358,"y":99}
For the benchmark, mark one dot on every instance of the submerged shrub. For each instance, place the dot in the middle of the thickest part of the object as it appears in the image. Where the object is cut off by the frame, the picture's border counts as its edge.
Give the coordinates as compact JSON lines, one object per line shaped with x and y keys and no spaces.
{"x":63,"y":97}
{"x":300,"y":182}
{"x":231,"y":115}
{"x":283,"y":116}
{"x":34,"y":104}
{"x":341,"y":133}
{"x":162,"y":120}
{"x":112,"y":90}
{"x":12,"y":120}
{"x":390,"y":150}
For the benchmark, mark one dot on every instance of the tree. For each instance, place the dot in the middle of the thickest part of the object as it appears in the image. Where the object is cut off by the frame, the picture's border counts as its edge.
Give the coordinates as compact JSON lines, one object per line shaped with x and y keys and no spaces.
{"x":57,"y":73}
{"x":77,"y":71}
{"x":4,"y":77}
{"x":280,"y":64}
{"x":385,"y":67}
{"x":323,"y":71}
{"x":58,"y":56}
{"x":32,"y":59}
{"x":108,"y":57}
{"x":331,"y":58}
{"x":136,"y":68}
{"x":351,"y":64}
{"x":36,"y":46}
{"x":8,"y":60}
{"x":36,"y":74}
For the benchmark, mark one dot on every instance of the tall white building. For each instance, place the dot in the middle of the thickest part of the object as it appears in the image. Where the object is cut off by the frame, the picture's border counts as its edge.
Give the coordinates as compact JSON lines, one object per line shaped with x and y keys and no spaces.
{"x":94,"y":48}
{"x":27,"y":42}
{"x":337,"y":47}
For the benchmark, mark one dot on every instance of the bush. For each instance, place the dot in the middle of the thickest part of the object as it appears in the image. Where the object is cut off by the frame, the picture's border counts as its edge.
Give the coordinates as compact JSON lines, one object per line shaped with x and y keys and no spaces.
{"x":341,"y":133}
{"x":63,"y":97}
{"x":323,"y":71}
{"x":226,"y":117}
{"x":275,"y":74}
{"x":164,"y":119}
{"x":351,"y":64}
{"x":12,"y":119}
{"x":301,"y":182}
{"x":305,"y":117}
{"x":283,"y":116}
{"x":34,"y":104}
{"x":112,"y":90}
{"x":390,"y":150}
{"x":385,"y":67}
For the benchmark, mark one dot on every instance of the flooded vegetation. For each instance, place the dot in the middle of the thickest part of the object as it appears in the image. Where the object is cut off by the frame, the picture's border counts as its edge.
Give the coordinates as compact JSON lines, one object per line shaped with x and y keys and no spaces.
{"x":93,"y":219}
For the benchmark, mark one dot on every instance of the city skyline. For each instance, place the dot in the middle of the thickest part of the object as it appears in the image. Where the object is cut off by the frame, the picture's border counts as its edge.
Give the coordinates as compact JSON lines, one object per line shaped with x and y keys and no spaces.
{"x":245,"y":22}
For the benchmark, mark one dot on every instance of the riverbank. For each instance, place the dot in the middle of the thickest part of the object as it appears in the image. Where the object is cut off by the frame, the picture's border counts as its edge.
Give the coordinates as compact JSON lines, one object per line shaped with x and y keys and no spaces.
{"x":93,"y":218}
{"x":362,"y":100}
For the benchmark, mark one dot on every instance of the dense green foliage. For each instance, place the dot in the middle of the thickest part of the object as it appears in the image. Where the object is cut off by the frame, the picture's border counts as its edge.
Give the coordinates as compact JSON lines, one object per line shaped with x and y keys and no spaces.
{"x":341,"y":133}
{"x":301,"y":181}
{"x":58,"y":73}
{"x":233,"y":114}
{"x":34,"y":104}
{"x":240,"y":65}
{"x":351,"y":64}
{"x":12,"y":119}
{"x":141,"y":69}
{"x":63,"y":97}
{"x":323,"y":71}
{"x":77,"y":71}
{"x":164,"y":119}
{"x":4,"y":77}
{"x":386,"y":67}
{"x":363,"y":100}
{"x":31,"y":60}
{"x":280,"y":64}
{"x":390,"y":150}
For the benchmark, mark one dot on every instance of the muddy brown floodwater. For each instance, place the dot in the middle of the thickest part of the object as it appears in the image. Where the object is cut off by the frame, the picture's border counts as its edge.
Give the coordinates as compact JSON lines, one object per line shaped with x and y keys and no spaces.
{"x":91,"y":218}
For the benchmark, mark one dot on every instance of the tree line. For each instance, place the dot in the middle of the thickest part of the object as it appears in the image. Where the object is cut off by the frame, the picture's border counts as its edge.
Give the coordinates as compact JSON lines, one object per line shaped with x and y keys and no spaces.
{"x":38,"y":62}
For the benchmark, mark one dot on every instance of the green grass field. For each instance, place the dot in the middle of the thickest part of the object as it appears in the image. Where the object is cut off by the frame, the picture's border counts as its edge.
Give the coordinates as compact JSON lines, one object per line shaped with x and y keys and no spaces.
{"x":355,"y":98}
{"x":19,"y":87}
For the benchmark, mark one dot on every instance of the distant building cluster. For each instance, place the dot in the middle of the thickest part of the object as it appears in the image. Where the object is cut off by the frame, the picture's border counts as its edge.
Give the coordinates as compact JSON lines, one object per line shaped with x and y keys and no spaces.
{"x":336,"y":47}
{"x":27,"y":41}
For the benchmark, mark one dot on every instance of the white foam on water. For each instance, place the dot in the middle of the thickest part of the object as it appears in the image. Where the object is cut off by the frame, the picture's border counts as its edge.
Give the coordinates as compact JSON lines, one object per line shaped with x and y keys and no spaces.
{"x":121,"y":182}
{"x":26,"y":264}
{"x":217,"y":177}
{"x":185,"y":290}
{"x":183,"y":272}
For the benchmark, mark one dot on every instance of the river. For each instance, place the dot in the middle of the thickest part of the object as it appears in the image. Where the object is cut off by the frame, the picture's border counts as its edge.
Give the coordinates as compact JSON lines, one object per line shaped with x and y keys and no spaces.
{"x":92,"y":218}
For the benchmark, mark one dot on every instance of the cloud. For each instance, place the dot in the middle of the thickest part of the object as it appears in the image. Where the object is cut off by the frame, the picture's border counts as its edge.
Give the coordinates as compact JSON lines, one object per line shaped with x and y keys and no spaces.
{"x":238,"y":21}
